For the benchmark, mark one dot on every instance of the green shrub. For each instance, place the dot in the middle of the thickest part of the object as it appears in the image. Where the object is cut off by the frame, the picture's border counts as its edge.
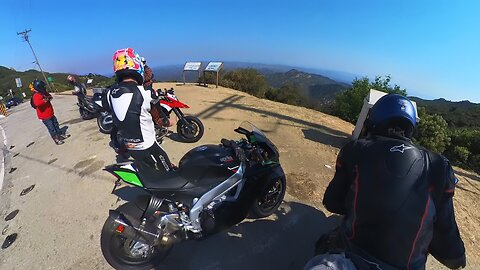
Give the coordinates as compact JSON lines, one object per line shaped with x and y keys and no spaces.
{"x":348,"y":104}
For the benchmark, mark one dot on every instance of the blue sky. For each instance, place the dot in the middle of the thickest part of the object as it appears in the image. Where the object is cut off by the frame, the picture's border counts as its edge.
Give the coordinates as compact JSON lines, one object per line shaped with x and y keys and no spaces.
{"x":431,"y":48}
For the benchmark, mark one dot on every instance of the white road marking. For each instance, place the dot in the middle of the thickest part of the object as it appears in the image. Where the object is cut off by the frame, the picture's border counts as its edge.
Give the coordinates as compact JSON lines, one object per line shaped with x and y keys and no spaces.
{"x":2,"y":163}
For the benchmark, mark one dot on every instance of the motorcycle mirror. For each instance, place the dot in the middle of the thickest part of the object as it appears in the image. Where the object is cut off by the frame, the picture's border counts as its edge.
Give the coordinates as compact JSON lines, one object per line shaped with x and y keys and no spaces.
{"x":242,"y":131}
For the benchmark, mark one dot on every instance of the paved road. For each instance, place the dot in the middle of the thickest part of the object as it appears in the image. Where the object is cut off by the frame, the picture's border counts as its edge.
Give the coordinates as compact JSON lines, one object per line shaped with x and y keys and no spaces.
{"x":59,"y":221}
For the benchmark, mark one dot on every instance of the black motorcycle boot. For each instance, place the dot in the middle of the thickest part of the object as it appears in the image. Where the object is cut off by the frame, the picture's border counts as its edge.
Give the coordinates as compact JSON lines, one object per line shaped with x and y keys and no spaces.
{"x":57,"y":140}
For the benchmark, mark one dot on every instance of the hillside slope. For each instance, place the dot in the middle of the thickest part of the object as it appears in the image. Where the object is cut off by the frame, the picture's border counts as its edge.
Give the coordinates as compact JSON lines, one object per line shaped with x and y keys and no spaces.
{"x":71,"y":177}
{"x":7,"y":80}
{"x":309,"y":142}
{"x":457,"y":114}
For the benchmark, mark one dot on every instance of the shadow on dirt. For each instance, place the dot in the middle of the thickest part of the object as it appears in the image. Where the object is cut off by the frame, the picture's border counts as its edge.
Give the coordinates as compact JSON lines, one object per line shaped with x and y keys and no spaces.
{"x":72,"y":121}
{"x":324,"y":137}
{"x":468,"y":175}
{"x":314,"y":131}
{"x":286,"y":242}
{"x":466,"y":189}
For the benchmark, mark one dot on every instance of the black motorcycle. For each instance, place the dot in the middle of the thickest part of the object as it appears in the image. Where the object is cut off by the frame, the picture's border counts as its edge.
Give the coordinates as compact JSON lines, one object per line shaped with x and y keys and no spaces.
{"x":93,"y":107}
{"x":214,"y":187}
{"x":88,"y":107}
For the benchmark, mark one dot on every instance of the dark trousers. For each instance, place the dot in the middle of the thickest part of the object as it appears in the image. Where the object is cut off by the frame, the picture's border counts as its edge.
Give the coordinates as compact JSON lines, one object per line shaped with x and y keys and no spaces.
{"x":52,"y":126}
{"x":154,"y":156}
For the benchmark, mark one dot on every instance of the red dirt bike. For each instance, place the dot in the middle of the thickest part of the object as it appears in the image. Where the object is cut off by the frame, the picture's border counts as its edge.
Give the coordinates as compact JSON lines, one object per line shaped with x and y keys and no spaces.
{"x":189,"y":128}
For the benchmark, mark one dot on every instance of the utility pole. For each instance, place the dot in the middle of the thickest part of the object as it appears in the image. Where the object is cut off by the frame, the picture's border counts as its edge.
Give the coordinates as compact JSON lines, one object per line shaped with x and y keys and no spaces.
{"x":24,"y":34}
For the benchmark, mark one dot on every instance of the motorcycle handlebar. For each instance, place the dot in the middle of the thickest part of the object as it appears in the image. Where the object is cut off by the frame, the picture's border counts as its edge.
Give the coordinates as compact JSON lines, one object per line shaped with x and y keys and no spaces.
{"x":239,"y":152}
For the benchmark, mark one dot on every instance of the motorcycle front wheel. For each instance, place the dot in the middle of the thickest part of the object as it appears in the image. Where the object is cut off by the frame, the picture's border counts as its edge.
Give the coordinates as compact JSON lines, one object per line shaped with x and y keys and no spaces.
{"x":268,"y":202}
{"x":191,"y":132}
{"x":105,"y":124}
{"x":124,"y":253}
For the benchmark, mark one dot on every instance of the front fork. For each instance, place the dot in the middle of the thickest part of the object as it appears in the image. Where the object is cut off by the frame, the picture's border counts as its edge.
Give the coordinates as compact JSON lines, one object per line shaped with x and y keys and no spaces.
{"x":180,"y":115}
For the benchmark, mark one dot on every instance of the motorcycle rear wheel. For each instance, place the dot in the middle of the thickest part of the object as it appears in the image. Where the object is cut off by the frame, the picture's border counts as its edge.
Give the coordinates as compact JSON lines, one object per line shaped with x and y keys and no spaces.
{"x":193,"y":132}
{"x":119,"y":251}
{"x":267,"y":203}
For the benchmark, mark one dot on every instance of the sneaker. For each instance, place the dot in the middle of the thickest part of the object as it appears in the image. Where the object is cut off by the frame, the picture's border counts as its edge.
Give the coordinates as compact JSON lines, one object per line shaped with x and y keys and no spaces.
{"x":64,"y":136}
{"x":58,"y":141}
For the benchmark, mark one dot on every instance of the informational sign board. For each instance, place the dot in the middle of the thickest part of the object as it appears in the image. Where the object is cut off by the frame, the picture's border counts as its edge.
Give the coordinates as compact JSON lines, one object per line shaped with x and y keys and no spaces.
{"x":192,"y":66}
{"x":50,"y":79}
{"x":18,"y":81}
{"x":89,"y":81}
{"x":214,"y":66}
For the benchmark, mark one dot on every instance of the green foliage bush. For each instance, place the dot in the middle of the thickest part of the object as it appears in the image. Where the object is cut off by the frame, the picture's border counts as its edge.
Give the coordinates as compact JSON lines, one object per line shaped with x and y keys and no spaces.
{"x":348,"y":104}
{"x":464,"y":149}
{"x":248,"y":80}
{"x":432,"y":132}
{"x":286,"y":94}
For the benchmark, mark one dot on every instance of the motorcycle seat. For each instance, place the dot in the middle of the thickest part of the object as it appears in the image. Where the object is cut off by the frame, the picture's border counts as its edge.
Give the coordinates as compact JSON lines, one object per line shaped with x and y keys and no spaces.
{"x":159,"y":180}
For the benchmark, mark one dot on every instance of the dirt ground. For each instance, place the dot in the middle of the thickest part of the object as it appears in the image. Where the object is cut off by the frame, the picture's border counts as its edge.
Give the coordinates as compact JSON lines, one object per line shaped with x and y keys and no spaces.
{"x":59,"y":223}
{"x":309,"y":142}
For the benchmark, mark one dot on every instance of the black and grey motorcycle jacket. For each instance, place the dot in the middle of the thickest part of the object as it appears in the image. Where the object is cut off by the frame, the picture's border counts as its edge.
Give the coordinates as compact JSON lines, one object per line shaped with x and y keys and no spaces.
{"x":397,"y":202}
{"x":130,"y":104}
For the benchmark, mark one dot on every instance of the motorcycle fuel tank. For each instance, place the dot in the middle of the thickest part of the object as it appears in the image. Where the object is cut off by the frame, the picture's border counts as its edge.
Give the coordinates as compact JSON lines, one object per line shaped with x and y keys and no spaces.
{"x":208,"y":165}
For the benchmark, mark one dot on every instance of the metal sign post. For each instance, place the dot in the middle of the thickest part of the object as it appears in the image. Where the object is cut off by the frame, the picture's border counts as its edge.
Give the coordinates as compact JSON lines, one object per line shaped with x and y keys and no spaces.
{"x":213,"y":67}
{"x":192,"y":66}
{"x":25,"y":36}
{"x":18,"y":81}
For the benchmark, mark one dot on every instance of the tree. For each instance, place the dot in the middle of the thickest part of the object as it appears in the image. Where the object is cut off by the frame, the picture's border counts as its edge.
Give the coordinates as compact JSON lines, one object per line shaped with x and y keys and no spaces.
{"x":248,"y":80}
{"x":348,"y":104}
{"x":288,"y":94}
{"x":432,"y":132}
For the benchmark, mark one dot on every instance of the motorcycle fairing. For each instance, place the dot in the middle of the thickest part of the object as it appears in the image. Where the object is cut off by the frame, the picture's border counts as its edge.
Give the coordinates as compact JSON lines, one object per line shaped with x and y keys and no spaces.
{"x":172,"y":103}
{"x":126,"y":172}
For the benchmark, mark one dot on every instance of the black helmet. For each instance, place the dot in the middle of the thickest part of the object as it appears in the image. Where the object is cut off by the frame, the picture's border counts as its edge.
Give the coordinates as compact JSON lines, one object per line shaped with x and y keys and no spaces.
{"x":40,"y":86}
{"x":393,"y":111}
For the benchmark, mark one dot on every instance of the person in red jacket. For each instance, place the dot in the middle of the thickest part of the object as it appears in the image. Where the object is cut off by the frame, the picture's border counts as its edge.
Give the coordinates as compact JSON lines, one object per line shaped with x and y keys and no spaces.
{"x":41,"y":101}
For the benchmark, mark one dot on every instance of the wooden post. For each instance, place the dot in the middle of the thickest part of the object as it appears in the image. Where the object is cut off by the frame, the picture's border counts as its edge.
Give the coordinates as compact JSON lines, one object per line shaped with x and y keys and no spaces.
{"x":183,"y":77}
{"x":217,"y":79}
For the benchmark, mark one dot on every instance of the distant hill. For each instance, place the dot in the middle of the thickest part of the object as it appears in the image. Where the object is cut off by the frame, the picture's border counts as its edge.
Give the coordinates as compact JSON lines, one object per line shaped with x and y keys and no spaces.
{"x":457,"y":114}
{"x":7,"y":80}
{"x":317,"y":88}
{"x":174,"y":72}
{"x":313,"y":86}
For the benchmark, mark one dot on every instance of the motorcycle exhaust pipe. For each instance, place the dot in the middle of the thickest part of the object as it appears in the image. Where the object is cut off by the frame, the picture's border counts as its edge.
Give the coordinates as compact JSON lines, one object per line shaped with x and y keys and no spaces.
{"x":131,"y":231}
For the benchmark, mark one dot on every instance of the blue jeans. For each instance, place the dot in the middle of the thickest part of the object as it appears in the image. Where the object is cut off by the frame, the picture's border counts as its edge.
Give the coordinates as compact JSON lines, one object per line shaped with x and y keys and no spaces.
{"x":52,"y":126}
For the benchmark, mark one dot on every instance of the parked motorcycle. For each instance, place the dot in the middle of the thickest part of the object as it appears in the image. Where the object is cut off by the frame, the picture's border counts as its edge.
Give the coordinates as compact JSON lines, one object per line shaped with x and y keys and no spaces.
{"x":91,"y":107}
{"x":214,"y":187}
{"x":189,"y":128}
{"x":88,"y":107}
